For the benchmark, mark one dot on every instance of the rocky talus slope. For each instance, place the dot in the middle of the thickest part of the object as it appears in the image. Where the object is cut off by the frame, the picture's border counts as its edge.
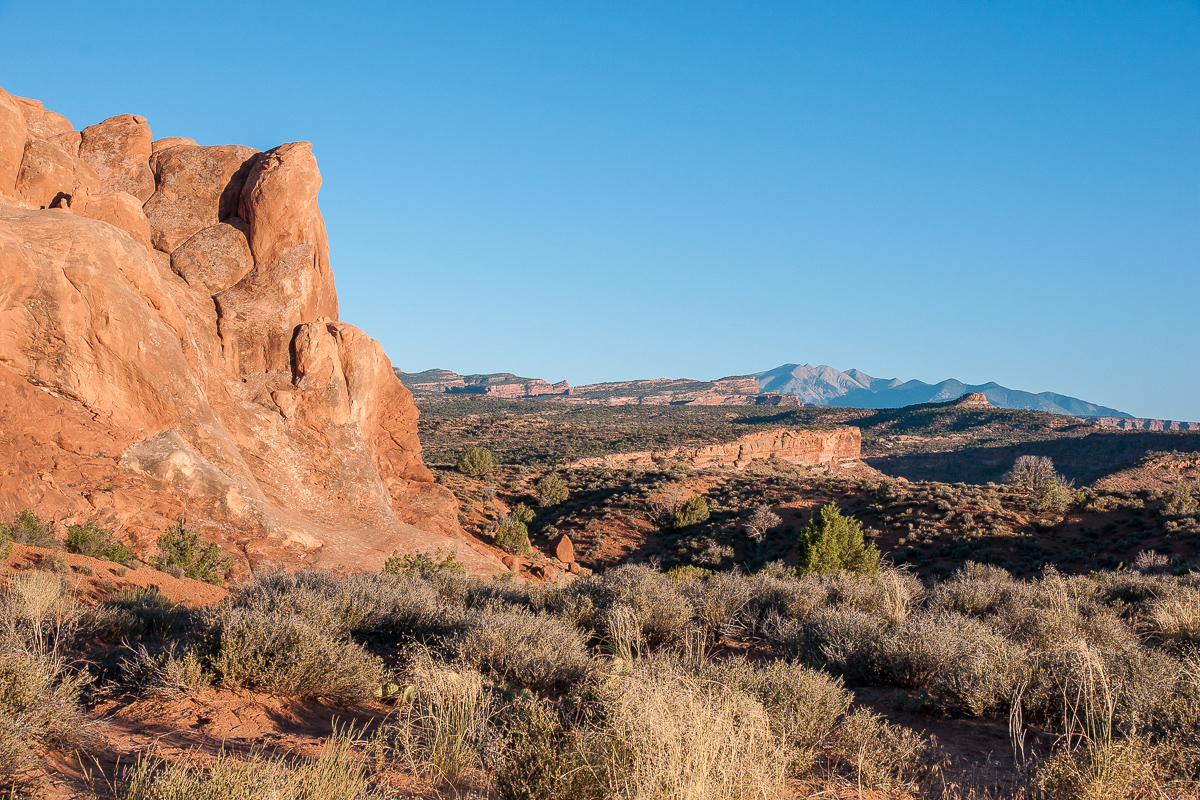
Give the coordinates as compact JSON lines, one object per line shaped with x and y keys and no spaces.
{"x":170,"y":345}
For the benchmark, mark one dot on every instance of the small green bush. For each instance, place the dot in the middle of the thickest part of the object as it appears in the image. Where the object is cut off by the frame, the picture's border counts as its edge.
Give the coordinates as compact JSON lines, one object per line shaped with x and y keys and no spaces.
{"x":1055,"y":498}
{"x":95,"y":542}
{"x":833,"y":542}
{"x":523,"y":514}
{"x":475,"y":461}
{"x":1180,"y":501}
{"x":398,"y":564}
{"x":181,"y":550}
{"x":551,"y":491}
{"x":511,"y":535}
{"x":28,"y":529}
{"x":694,"y":511}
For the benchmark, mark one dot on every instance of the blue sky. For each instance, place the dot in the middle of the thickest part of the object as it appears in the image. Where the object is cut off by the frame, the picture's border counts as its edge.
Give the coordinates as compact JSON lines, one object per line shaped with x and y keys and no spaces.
{"x":602,"y":191}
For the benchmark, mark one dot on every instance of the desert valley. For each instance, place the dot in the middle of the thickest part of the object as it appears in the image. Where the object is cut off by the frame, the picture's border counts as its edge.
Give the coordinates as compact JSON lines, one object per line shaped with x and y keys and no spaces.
{"x":247,"y":555}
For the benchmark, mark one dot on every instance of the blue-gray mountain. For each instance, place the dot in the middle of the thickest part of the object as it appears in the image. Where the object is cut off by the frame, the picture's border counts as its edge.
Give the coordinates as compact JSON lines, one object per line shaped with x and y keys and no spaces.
{"x":826,"y":386}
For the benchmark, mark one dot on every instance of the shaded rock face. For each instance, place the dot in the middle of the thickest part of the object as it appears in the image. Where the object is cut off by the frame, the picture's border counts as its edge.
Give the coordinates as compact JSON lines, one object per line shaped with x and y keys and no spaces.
{"x":169,"y":345}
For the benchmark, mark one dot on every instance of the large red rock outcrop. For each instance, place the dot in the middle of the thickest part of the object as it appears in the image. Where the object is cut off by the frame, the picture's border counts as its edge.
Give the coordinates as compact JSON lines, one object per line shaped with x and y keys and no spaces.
{"x":169,"y":346}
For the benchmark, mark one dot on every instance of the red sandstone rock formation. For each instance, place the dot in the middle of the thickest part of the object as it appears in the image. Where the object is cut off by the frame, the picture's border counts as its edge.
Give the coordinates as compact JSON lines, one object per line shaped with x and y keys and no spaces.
{"x":169,"y":345}
{"x":805,"y":447}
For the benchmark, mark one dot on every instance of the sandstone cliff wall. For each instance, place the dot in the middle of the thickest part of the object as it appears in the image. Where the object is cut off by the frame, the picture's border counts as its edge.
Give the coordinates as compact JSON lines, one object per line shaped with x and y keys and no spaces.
{"x":170,"y":344}
{"x":805,"y":447}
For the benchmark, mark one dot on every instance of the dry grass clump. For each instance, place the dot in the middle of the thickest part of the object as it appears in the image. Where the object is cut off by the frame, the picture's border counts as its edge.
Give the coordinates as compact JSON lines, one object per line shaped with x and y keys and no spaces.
{"x":539,"y":651}
{"x":1175,"y":616}
{"x":338,"y":773}
{"x":445,"y":727}
{"x":876,"y":754}
{"x":39,"y":692}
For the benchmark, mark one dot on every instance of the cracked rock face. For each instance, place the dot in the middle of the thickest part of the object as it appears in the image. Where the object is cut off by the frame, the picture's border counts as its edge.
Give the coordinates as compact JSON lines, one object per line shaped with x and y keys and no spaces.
{"x":169,"y":346}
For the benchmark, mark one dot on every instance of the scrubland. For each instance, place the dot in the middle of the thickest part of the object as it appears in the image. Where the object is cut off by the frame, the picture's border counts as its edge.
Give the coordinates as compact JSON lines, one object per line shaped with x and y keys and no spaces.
{"x":633,"y":683}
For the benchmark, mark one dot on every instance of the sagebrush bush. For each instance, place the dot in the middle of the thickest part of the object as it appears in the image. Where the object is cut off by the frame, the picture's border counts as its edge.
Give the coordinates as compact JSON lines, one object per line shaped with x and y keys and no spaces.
{"x":540,"y":651}
{"x":804,"y":705}
{"x":648,"y":600}
{"x":966,"y":662}
{"x":286,"y":654}
{"x":844,"y":641}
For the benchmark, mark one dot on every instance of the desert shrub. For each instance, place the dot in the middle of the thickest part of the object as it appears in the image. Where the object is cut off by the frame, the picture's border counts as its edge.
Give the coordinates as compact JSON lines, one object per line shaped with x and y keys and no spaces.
{"x":95,"y":542}
{"x":964,"y":660}
{"x":889,"y":594}
{"x":523,"y":514}
{"x":761,"y":522}
{"x":843,"y":641}
{"x":53,"y":562}
{"x":686,"y":573}
{"x":976,"y":590}
{"x":287,"y":655}
{"x":1111,"y":769}
{"x":693,"y":512}
{"x":551,"y":491}
{"x":169,"y":671}
{"x":39,"y":692}
{"x":876,"y":754}
{"x":28,"y":529}
{"x":475,"y":461}
{"x":804,"y":705}
{"x":337,"y":773}
{"x":1180,"y":501}
{"x":665,"y":734}
{"x":419,"y":561}
{"x":664,"y":506}
{"x":719,"y":601}
{"x":540,"y":760}
{"x":650,"y":602}
{"x":444,"y":729}
{"x":134,"y":611}
{"x":539,"y":651}
{"x":1175,"y":616}
{"x":511,"y":535}
{"x":1047,"y":614}
{"x":182,"y":550}
{"x":1032,"y":473}
{"x":1054,"y":497}
{"x":833,"y":542}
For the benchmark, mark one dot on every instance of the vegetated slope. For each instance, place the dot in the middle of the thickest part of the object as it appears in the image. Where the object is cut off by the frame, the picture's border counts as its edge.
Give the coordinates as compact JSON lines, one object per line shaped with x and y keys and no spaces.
{"x":937,"y":441}
{"x":826,"y":386}
{"x":169,"y":344}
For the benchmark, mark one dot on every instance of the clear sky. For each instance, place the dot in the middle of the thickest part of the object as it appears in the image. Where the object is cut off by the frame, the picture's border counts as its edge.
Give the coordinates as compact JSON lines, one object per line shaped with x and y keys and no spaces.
{"x":602,"y":191}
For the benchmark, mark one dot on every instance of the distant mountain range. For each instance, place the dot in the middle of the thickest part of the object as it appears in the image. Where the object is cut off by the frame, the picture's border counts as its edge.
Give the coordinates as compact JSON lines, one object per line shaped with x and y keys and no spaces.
{"x":788,"y":385}
{"x":826,"y":386}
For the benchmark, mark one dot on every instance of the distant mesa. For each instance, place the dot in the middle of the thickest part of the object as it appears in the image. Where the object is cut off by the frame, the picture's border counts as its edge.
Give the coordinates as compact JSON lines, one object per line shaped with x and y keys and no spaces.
{"x":500,"y":384}
{"x":787,"y":385}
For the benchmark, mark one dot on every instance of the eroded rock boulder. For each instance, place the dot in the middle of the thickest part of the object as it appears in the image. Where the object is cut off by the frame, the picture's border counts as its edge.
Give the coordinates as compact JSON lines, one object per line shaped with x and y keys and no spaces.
{"x":214,"y":381}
